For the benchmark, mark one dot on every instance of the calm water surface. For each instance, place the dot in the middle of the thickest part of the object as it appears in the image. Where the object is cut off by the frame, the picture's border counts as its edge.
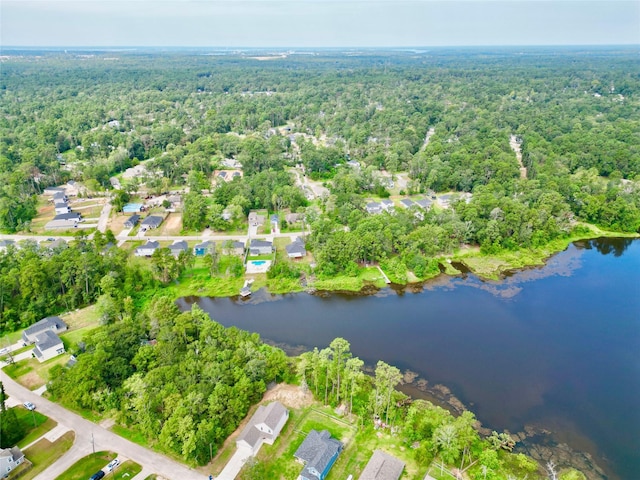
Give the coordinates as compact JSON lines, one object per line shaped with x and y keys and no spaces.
{"x":557,"y":347}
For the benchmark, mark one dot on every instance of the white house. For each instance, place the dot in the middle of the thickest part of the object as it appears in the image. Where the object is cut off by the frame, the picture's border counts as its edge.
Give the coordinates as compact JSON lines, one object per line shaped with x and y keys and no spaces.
{"x":62,"y":207}
{"x":147,"y":249}
{"x":264,"y":427}
{"x":296,"y":249}
{"x":52,"y":324}
{"x":10,"y":458}
{"x":260,"y":247}
{"x":48,"y":345}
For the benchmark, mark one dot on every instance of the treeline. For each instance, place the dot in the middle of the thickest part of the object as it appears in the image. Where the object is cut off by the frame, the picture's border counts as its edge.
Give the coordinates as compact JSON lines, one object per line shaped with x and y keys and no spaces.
{"x":36,"y":281}
{"x":180,"y":379}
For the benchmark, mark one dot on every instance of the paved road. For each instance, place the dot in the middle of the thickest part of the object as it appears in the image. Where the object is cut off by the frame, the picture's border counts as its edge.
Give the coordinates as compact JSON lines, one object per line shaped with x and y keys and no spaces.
{"x":102,"y":439}
{"x":104,"y":217}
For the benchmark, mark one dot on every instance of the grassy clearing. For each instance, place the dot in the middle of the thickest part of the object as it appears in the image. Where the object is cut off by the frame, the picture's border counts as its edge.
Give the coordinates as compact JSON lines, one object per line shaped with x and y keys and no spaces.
{"x":10,"y":338}
{"x":32,"y":374}
{"x":80,"y":318}
{"x":44,"y":453}
{"x":87,"y":466}
{"x":449,"y":269}
{"x":366,"y":276}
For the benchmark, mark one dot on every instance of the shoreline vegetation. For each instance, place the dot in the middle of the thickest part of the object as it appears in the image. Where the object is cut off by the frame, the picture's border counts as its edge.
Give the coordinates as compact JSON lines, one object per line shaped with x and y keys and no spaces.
{"x":486,"y":266}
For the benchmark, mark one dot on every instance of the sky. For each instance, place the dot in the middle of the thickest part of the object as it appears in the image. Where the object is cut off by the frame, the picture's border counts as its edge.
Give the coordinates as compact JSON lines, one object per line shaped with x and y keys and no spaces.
{"x":318,"y":23}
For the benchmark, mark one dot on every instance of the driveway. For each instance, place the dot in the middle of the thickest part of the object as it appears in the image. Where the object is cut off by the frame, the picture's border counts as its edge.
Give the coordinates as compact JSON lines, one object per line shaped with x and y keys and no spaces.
{"x":104,"y":217}
{"x":90,"y":436}
{"x":235,"y":464}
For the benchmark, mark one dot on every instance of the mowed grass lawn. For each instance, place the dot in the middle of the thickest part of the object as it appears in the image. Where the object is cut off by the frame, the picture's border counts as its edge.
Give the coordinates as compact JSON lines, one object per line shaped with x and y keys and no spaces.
{"x":44,"y":453}
{"x":126,"y":471}
{"x":87,"y":466}
{"x":34,"y":423}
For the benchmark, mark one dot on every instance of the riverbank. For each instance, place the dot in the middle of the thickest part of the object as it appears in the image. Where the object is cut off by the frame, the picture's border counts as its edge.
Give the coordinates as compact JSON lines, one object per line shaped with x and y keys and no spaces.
{"x":465,"y":260}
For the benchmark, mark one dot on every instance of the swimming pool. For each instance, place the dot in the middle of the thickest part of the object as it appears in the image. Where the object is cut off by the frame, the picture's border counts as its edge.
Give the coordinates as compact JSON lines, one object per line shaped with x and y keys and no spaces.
{"x":258,"y":262}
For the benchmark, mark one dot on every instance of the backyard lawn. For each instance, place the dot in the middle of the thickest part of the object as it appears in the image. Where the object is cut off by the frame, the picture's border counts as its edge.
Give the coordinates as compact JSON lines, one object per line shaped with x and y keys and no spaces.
{"x":44,"y":453}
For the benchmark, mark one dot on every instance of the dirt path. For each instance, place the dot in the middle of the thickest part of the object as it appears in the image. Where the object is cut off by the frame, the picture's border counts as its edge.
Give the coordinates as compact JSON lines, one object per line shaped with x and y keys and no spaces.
{"x":430,"y":133}
{"x":515,"y":146}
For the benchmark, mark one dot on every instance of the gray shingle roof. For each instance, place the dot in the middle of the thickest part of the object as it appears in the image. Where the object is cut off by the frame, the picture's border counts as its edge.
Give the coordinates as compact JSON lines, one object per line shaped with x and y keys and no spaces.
{"x":150,"y":244}
{"x":68,"y":216}
{"x":133,"y":220}
{"x":382,"y":466}
{"x":260,"y":243}
{"x":48,"y":323}
{"x":270,"y":415}
{"x":45,"y":341}
{"x":407,"y":202}
{"x":317,"y":450}
{"x":297,"y":246}
{"x":152,"y":221}
{"x":207,"y":245}
{"x":179,"y":246}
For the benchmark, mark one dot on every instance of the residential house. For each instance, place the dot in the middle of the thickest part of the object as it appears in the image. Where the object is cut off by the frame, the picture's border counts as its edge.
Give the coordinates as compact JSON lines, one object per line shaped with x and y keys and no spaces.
{"x":387,"y":205}
{"x":132,"y":221}
{"x":382,"y":466}
{"x":263,"y":427}
{"x":62,"y":207}
{"x":445,"y":200}
{"x":48,"y":324}
{"x":147,"y":249}
{"x":50,"y":191}
{"x":57,"y":244}
{"x":233,"y":248}
{"x":222,"y":175}
{"x":318,"y":452}
{"x":57,"y":224}
{"x":115,"y":183}
{"x":231,"y":163}
{"x":296,"y":249}
{"x":275,"y":222}
{"x":204,"y":248}
{"x":151,"y":222}
{"x":5,"y":244}
{"x":10,"y":458}
{"x":292,"y":218}
{"x":175,"y":200}
{"x":75,"y":216}
{"x":424,"y":203}
{"x":59,"y":197}
{"x":373,"y":208}
{"x":177,"y":247}
{"x":407,"y":203}
{"x":236,"y":175}
{"x":260,"y":247}
{"x":48,"y":345}
{"x":255,"y":220}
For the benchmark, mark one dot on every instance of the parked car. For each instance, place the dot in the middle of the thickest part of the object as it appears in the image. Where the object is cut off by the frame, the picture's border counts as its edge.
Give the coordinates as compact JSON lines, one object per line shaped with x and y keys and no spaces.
{"x":113,"y":464}
{"x":29,"y":406}
{"x":97,"y":475}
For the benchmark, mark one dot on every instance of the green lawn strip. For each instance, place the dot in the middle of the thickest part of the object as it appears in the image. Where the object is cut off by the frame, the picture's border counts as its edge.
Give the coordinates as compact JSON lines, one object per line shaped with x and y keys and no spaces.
{"x":284,"y":285}
{"x":449,"y":269}
{"x":44,"y":453}
{"x":16,"y":370}
{"x":43,"y":425}
{"x":126,"y":471}
{"x":153,"y":476}
{"x":87,"y":466}
{"x":75,"y":336}
{"x":131,"y":435}
{"x":10,"y":338}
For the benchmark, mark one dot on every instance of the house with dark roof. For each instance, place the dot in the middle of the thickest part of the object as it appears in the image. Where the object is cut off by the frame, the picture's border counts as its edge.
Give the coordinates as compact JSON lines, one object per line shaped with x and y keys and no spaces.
{"x":147,"y":249}
{"x":293,"y":218}
{"x":296,"y":249}
{"x":424,"y":203}
{"x":382,"y":466}
{"x":445,"y":200}
{"x":233,"y":248}
{"x":48,"y":345}
{"x":61,"y":207}
{"x":318,"y":452}
{"x":177,"y":247}
{"x":222,"y":175}
{"x":10,"y":458}
{"x":132,"y":221}
{"x":373,"y":208}
{"x":61,"y":224}
{"x":202,"y":249}
{"x":151,"y":222}
{"x":59,"y":197}
{"x":260,"y":247}
{"x":407,"y":203}
{"x":264,"y":427}
{"x":51,"y":324}
{"x":75,"y":216}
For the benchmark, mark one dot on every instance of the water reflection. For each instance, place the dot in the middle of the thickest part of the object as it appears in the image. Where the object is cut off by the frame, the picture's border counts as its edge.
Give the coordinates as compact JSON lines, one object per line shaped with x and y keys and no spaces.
{"x":606,"y":246}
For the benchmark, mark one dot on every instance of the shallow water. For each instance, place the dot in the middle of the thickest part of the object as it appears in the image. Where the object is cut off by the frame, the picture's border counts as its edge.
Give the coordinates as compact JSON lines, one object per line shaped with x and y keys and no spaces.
{"x":557,"y":347}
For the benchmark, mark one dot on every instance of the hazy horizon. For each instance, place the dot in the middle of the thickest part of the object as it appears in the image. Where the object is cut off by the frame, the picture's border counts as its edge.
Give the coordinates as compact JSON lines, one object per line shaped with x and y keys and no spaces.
{"x":318,"y":23}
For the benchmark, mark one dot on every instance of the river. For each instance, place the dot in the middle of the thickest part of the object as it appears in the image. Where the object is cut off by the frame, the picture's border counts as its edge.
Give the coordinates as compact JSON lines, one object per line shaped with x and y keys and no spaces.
{"x":555,"y":347}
